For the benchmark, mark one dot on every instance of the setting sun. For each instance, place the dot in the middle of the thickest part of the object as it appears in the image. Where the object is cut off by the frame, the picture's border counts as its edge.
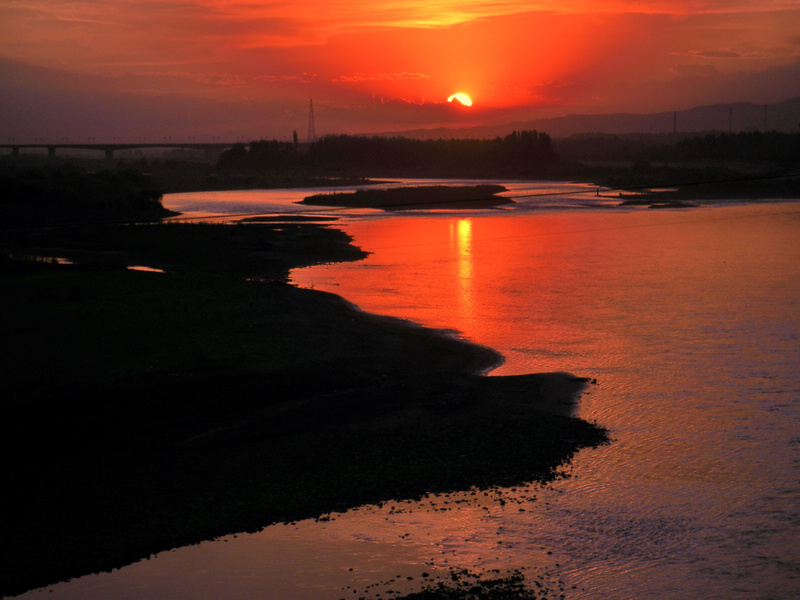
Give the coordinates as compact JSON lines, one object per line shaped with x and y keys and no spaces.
{"x":246,"y":69}
{"x":462,"y":98}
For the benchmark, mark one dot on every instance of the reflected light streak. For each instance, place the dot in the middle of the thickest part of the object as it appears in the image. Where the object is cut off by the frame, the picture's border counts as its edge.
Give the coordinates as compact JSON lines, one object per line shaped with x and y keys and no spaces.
{"x":461,"y":241}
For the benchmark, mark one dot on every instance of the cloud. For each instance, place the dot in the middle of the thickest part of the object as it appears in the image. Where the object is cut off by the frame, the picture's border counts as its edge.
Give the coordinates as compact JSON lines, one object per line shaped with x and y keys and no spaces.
{"x":693,"y":70}
{"x":697,"y":85}
{"x":710,"y":54}
{"x":727,"y":53}
{"x":302,"y":78}
{"x":224,"y":80}
{"x":37,"y":103}
{"x":592,"y":55}
{"x":231,"y":24}
{"x":361,"y":77}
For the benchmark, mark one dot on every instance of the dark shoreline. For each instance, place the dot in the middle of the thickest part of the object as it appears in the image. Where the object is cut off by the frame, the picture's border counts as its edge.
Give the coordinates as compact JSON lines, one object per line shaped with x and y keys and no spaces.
{"x":429,"y":197}
{"x":146,"y":411}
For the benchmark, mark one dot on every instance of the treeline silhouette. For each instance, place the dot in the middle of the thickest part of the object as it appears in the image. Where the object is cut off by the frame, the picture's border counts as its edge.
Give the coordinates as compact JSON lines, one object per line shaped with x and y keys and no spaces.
{"x":745,"y":145}
{"x":47,"y":194}
{"x":750,"y":146}
{"x":264,"y":154}
{"x":520,"y":152}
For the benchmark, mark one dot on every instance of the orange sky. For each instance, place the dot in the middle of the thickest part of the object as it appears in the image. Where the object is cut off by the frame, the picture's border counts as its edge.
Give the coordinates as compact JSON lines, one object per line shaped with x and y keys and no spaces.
{"x":247,"y":68}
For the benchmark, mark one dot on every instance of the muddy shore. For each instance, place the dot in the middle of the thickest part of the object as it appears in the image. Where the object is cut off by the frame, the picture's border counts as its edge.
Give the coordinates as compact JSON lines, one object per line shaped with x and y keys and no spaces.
{"x":148,"y":410}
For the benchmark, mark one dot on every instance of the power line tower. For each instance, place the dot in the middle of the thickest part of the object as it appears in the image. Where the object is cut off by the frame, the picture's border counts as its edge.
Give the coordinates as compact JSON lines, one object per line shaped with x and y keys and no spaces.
{"x":312,"y":134}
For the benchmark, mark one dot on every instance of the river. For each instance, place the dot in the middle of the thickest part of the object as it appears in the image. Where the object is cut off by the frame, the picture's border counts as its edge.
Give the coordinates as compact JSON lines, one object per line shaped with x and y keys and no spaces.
{"x":688,"y":319}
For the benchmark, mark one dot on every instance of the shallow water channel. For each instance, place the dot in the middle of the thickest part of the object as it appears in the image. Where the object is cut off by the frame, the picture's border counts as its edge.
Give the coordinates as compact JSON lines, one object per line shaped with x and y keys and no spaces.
{"x":690,"y":322}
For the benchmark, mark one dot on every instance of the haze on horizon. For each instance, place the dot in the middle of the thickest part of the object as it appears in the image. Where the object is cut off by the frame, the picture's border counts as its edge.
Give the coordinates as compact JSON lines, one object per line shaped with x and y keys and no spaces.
{"x":71,"y":70}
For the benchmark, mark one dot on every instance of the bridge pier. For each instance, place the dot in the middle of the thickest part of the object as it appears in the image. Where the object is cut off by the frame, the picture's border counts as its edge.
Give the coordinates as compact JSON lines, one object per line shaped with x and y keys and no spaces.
{"x":15,"y":151}
{"x":51,"y":151}
{"x":109,"y":154}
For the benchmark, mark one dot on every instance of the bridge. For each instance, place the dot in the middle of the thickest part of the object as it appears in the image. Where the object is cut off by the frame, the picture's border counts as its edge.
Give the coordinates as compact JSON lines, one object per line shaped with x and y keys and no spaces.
{"x":212,"y":150}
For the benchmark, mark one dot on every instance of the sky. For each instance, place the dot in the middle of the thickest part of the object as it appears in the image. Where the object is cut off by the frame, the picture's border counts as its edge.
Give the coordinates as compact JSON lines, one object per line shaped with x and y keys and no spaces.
{"x":206,"y":70}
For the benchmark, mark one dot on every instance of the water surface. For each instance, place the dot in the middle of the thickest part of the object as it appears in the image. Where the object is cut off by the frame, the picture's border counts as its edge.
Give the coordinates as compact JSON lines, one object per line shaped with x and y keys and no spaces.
{"x":690,"y":322}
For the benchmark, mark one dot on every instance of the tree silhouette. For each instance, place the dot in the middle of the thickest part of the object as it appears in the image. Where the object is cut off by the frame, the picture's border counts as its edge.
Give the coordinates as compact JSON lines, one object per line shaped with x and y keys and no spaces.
{"x":521,"y":153}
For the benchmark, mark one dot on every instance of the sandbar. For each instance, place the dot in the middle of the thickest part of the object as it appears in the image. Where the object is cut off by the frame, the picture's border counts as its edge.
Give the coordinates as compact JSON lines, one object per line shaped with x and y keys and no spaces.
{"x":428,"y":197}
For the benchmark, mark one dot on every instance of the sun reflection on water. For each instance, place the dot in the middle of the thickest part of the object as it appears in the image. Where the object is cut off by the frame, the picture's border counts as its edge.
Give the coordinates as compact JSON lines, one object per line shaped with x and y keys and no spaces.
{"x":461,"y":241}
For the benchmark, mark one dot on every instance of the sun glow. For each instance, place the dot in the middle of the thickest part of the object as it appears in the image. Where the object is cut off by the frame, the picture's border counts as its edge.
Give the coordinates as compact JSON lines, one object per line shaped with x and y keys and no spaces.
{"x":462,"y":98}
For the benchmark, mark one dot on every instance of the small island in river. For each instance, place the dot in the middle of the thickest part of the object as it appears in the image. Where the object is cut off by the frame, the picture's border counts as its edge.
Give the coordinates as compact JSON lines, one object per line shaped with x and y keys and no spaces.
{"x":443,"y":197}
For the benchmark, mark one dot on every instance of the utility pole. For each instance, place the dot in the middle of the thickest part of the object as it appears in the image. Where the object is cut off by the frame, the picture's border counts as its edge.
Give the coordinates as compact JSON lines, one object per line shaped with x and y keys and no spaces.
{"x":312,"y":134}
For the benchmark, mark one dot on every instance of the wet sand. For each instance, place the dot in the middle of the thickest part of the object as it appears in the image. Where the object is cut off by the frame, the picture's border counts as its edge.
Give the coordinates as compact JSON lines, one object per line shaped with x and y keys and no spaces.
{"x":145,"y":411}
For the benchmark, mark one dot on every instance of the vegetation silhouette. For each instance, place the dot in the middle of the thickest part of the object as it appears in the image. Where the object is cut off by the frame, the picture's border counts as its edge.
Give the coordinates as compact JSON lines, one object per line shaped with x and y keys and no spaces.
{"x":263,"y":154}
{"x":744,"y":165}
{"x":746,"y":145}
{"x":523,"y":152}
{"x":623,"y":161}
{"x":751,"y":146}
{"x":49,"y":194}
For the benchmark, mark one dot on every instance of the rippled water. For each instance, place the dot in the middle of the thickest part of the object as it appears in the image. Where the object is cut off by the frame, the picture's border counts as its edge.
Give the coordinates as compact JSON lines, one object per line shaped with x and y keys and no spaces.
{"x":690,"y":322}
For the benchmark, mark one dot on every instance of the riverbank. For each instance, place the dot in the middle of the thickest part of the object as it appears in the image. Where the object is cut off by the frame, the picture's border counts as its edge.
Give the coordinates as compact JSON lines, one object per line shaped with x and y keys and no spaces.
{"x":148,"y":410}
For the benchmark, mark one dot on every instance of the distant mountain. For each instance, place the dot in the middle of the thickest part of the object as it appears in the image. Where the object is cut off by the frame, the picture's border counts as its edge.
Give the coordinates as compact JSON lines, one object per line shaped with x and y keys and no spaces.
{"x":740,"y":116}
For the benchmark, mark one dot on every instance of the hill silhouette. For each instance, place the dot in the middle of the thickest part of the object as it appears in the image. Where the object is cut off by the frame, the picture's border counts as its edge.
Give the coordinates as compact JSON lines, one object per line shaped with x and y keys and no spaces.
{"x":738,"y":116}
